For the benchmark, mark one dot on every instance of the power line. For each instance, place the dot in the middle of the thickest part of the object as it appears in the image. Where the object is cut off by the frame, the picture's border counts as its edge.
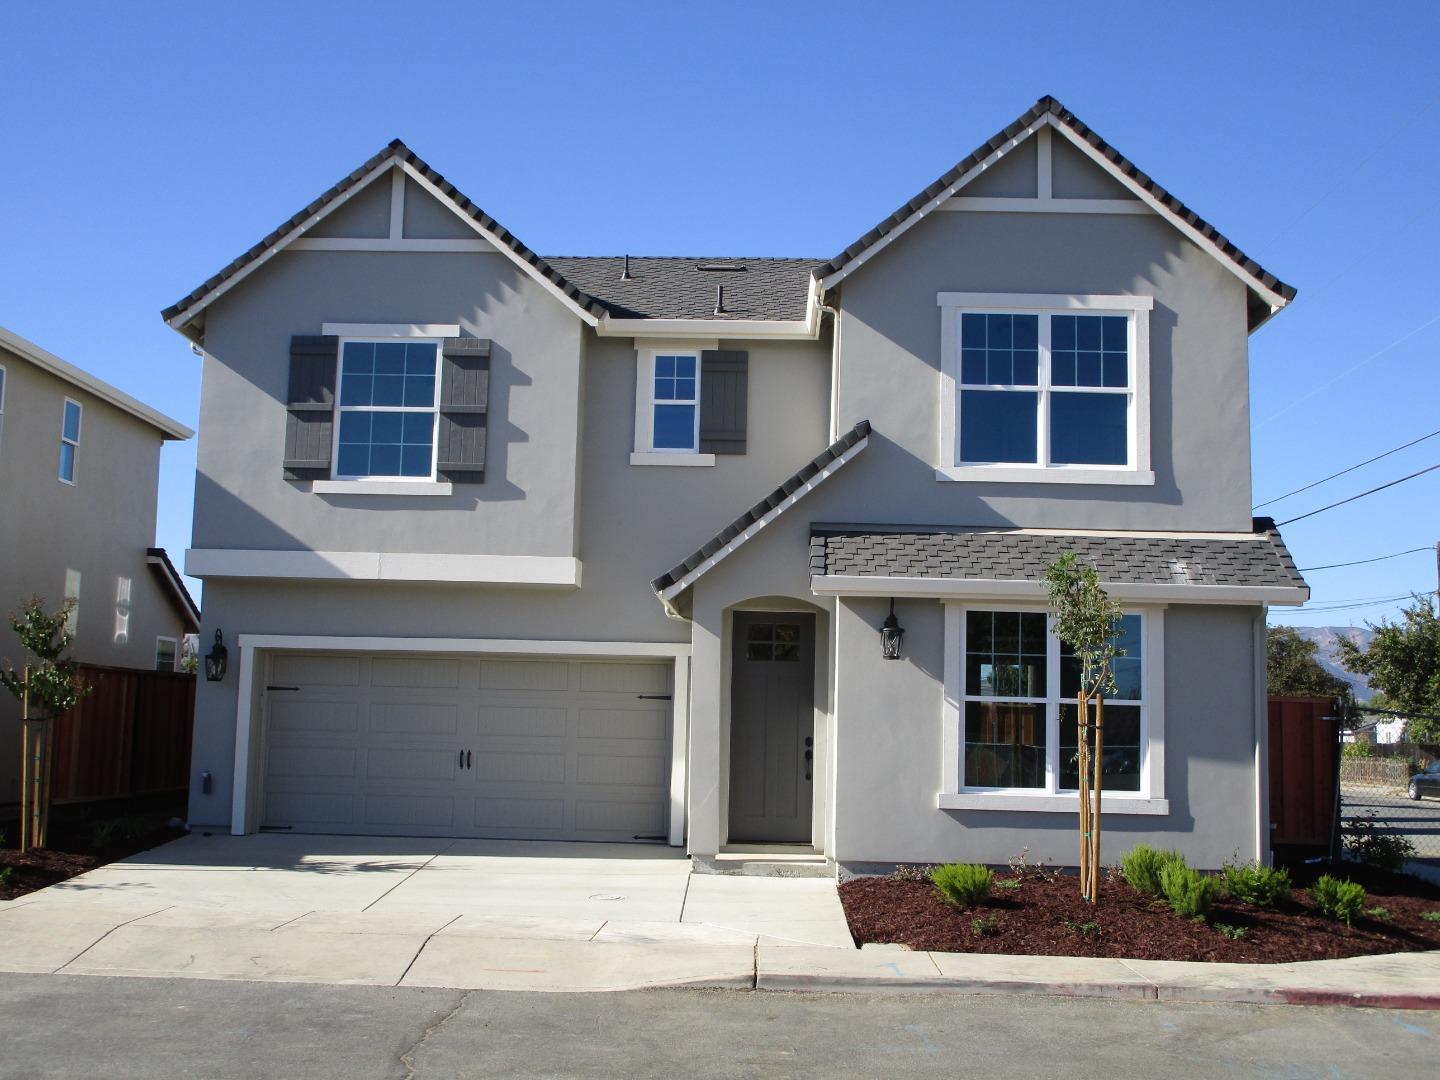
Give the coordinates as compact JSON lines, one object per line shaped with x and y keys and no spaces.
{"x":1342,"y":472}
{"x":1325,"y":610}
{"x":1362,"y":495}
{"x":1361,"y":562}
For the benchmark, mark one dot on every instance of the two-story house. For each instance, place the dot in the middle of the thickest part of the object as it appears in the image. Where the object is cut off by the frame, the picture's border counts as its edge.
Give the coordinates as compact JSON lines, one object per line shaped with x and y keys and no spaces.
{"x":79,"y":483}
{"x":607,"y":548}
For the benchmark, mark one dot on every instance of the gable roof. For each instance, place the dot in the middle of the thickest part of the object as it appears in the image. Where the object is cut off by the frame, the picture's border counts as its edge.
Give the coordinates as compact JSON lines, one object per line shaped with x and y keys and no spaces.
{"x":790,"y":491}
{"x":182,"y":314}
{"x":684,"y":288}
{"x":158,"y":559}
{"x":61,"y":369}
{"x":1267,"y":292}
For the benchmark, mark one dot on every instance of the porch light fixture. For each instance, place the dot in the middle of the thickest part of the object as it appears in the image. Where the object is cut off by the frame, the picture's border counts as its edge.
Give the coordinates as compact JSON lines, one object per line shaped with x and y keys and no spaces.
{"x":216,"y":659}
{"x":891,"y":635}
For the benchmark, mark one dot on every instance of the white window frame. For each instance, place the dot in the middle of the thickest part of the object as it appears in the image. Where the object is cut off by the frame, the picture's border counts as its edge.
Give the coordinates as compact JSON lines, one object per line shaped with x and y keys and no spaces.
{"x":1136,"y":309}
{"x":370,"y":484}
{"x":954,"y":795}
{"x":645,"y":452}
{"x":74,"y":443}
{"x":174,"y":653}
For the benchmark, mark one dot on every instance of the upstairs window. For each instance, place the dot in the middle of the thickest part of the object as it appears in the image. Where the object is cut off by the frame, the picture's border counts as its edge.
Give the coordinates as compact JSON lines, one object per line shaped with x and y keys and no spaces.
{"x":1046,"y":394}
{"x":387,"y":410}
{"x":675,"y":403}
{"x":69,"y":440}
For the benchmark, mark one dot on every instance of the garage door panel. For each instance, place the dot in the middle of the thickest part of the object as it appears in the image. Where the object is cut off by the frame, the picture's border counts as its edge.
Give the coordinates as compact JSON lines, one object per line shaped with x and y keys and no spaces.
{"x":308,"y":670}
{"x":551,"y":748}
{"x":292,"y":714}
{"x":388,"y":763}
{"x":414,"y":671}
{"x":525,"y":720}
{"x":415,"y":717}
{"x":409,"y":811}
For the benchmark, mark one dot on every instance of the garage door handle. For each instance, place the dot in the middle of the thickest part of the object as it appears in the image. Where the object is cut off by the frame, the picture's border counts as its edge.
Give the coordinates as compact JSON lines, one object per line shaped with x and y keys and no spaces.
{"x":469,"y":760}
{"x":656,"y":697}
{"x":462,"y":759}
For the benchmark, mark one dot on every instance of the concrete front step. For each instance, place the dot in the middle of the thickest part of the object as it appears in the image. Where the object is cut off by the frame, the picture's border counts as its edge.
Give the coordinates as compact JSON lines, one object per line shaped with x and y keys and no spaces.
{"x":764,"y":864}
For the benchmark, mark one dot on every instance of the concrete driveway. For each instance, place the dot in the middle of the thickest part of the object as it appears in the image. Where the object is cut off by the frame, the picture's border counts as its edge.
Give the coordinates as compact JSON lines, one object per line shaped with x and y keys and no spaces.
{"x":453,"y":913}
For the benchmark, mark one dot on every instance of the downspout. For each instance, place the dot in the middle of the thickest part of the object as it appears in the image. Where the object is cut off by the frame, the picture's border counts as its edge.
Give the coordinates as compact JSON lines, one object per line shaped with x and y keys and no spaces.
{"x":834,"y":368}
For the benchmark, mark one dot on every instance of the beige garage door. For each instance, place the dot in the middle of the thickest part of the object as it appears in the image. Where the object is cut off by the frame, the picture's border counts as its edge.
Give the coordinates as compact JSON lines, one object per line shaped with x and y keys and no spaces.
{"x":547,"y":749}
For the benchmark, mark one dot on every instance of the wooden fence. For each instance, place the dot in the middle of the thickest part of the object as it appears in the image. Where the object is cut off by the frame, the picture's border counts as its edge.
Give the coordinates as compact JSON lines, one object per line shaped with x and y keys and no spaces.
{"x":1303,"y":758}
{"x":130,"y":736}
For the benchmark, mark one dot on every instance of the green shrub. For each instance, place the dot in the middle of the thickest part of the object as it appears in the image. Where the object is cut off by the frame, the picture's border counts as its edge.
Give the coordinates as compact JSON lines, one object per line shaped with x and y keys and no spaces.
{"x":1338,"y":899}
{"x":1008,"y":883}
{"x":1188,"y":892}
{"x":1230,"y":933}
{"x":1263,"y":886}
{"x":1430,"y":916}
{"x":962,"y":884}
{"x":1358,"y":749}
{"x":983,"y":927}
{"x":1142,"y":865}
{"x":1382,"y":850}
{"x":1084,"y":929}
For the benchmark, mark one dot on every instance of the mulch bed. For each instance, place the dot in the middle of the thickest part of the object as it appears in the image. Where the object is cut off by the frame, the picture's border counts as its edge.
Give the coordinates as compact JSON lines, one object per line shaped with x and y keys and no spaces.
{"x":1046,"y":916}
{"x":73,"y":849}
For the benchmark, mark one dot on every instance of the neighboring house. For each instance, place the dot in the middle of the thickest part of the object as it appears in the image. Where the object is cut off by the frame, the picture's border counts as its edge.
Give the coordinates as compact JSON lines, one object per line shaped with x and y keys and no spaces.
{"x":79,"y":479}
{"x":467,"y":518}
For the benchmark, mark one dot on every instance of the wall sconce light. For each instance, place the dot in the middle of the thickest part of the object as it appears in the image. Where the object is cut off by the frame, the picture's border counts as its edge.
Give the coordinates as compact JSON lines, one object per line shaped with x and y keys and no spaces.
{"x":216,"y":660}
{"x":891,"y":635}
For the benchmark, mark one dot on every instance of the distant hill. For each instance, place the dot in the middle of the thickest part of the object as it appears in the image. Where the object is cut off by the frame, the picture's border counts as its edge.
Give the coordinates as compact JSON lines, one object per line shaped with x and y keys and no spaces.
{"x":1327,"y":651}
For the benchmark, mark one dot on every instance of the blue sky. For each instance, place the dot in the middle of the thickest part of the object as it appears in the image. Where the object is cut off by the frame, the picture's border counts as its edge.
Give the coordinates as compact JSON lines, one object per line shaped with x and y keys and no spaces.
{"x":151,"y":143}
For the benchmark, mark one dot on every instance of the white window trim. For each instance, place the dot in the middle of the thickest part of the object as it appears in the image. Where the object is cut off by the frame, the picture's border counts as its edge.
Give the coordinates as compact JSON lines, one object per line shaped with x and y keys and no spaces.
{"x":4,"y":380}
{"x":74,"y":479}
{"x":430,"y":481}
{"x":645,"y":452}
{"x":174,"y":653}
{"x":953,"y":795}
{"x":400,"y":485}
{"x":1137,"y":310}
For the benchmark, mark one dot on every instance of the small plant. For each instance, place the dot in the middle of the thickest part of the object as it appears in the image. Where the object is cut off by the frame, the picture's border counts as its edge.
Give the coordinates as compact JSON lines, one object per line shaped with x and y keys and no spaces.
{"x":1188,"y":892}
{"x":1263,"y":886}
{"x":1366,"y":839}
{"x":1430,"y":916}
{"x":1022,"y":868}
{"x":117,"y":830}
{"x":1142,"y":865}
{"x":1008,"y":883}
{"x":911,"y":872}
{"x":1231,"y":933}
{"x":983,"y":926}
{"x":1336,"y":899}
{"x":5,"y":872}
{"x":1377,"y":912}
{"x":962,"y":884}
{"x":1084,"y":929}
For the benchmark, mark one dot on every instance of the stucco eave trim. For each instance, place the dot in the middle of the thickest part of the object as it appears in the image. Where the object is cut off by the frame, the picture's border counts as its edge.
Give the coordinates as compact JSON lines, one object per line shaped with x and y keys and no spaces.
{"x":987,"y":588}
{"x":539,"y":570}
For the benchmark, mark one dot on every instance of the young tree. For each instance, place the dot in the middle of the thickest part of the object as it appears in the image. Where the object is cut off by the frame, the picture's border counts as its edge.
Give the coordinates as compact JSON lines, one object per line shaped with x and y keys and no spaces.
{"x":1292,"y":669}
{"x":1088,"y":621}
{"x":1403,"y":663}
{"x":47,"y":684}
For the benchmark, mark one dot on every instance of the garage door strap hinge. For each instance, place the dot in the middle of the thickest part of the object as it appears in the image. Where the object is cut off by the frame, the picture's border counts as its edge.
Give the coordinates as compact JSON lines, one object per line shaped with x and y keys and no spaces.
{"x":295,"y":688}
{"x":656,"y":697}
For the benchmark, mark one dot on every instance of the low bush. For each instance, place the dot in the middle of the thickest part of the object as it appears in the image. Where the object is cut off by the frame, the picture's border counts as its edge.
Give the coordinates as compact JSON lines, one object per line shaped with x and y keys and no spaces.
{"x":1263,"y":886}
{"x":1188,"y":892}
{"x":962,"y":884}
{"x":1231,"y":933}
{"x":1142,"y":866}
{"x":983,"y":927}
{"x":1430,"y":916}
{"x":1365,"y":840}
{"x":1084,"y":929}
{"x":1336,"y":899}
{"x":1358,"y":749}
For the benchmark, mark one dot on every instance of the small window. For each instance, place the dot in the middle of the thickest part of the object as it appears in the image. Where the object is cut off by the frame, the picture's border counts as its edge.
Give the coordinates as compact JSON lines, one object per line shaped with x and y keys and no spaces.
{"x":675,"y":403}
{"x":166,"y":651}
{"x":69,"y":440}
{"x":387,"y":410}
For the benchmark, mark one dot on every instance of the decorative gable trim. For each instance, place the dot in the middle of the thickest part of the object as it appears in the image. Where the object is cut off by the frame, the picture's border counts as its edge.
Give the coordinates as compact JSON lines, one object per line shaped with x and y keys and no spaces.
{"x":1269,"y":292}
{"x":183,"y":315}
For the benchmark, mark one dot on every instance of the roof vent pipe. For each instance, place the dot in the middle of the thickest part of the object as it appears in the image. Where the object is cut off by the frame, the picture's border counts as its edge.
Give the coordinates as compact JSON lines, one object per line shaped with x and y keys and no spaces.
{"x":625,"y":273}
{"x":719,"y":299}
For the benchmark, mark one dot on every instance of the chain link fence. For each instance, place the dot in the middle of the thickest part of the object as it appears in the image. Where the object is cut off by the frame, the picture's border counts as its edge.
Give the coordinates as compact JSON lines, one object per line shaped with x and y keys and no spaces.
{"x":1389,"y":800}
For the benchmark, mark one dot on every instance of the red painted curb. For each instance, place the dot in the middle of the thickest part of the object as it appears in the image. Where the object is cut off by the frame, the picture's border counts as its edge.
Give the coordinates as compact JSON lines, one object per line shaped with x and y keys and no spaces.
{"x":1358,"y":1000}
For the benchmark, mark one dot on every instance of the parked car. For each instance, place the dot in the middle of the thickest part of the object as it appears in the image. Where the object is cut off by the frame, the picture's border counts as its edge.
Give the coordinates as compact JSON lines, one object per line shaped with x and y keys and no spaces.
{"x":1426,"y":781}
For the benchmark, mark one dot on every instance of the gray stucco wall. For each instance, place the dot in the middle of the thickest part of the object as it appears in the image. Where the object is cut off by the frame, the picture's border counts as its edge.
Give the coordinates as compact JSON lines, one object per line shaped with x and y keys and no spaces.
{"x":100,"y":527}
{"x":888,"y":747}
{"x":1199,"y":418}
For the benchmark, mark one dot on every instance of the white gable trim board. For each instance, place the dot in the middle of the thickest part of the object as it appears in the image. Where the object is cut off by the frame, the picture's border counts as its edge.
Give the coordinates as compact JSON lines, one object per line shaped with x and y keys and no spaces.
{"x":257,"y":649}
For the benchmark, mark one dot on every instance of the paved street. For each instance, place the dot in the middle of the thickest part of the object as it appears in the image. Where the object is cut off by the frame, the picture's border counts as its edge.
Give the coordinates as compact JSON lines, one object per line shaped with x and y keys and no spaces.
{"x":69,"y":1026}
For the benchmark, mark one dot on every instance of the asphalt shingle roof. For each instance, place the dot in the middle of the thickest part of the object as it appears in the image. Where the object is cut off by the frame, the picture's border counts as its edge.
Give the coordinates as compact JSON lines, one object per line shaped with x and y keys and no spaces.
{"x":1012,"y":555}
{"x":787,"y":487}
{"x":684,"y":288}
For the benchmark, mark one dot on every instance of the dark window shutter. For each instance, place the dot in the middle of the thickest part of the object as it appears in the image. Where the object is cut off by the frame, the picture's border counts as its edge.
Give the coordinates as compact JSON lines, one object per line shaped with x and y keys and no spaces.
{"x":724,"y":388}
{"x":464,"y":408}
{"x":310,"y":425}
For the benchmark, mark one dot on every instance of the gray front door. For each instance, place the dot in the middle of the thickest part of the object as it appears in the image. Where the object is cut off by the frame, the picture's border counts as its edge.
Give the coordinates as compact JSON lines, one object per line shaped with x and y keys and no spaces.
{"x":772,"y":727}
